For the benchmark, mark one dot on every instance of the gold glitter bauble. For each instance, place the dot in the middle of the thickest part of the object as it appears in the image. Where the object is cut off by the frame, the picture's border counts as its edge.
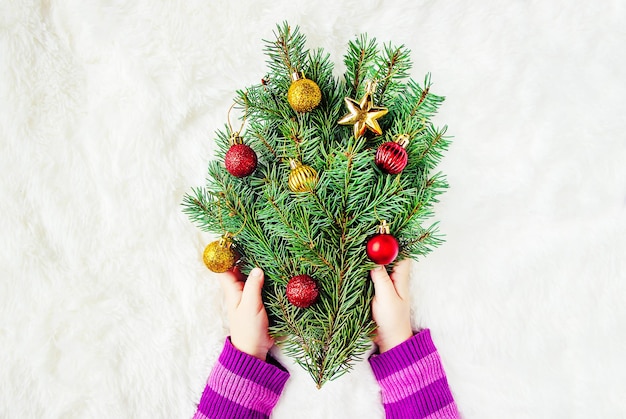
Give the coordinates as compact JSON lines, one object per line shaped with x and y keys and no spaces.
{"x":303,"y":94}
{"x":302,"y":178}
{"x":219,"y":256}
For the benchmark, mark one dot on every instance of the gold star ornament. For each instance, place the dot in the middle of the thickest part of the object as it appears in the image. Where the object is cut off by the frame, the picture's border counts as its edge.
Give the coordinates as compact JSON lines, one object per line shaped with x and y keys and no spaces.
{"x":363,"y":115}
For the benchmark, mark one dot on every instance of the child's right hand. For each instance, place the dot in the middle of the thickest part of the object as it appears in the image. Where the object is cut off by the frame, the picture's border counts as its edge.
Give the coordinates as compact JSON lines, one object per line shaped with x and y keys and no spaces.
{"x":391,"y":308}
{"x":247,"y":315}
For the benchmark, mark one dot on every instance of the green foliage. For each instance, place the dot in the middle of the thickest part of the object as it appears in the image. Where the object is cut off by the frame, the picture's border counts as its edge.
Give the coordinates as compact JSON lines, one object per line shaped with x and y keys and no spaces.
{"x":323,"y":233}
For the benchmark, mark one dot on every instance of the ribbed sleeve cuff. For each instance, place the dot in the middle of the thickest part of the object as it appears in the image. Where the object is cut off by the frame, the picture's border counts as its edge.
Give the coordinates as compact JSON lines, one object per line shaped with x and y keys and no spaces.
{"x":241,"y":386}
{"x":412,"y":380}
{"x":403,"y":355}
{"x":269,"y":375}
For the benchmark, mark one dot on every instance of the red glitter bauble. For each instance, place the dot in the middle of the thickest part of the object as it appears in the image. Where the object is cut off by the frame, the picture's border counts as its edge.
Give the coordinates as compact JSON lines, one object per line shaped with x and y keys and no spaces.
{"x":391,"y":157}
{"x":302,"y":291}
{"x":240,"y":160}
{"x":382,"y":249}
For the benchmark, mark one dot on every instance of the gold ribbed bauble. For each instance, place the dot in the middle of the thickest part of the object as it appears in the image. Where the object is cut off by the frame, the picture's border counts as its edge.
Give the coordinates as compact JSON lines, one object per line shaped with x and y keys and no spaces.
{"x":302,"y":178}
{"x":303,"y":94}
{"x":219,"y":256}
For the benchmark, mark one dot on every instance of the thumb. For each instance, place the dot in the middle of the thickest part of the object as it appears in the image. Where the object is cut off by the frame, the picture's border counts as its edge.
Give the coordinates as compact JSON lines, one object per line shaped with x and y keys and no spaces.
{"x":252,"y":288}
{"x":383,"y":286}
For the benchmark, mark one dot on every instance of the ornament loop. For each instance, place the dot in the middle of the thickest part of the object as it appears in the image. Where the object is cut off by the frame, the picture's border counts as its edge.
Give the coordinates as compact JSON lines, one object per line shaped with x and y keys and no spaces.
{"x":235,"y":134}
{"x":383,"y":228}
{"x":370,"y":86}
{"x":293,"y":163}
{"x":403,"y":140}
{"x":235,"y":138}
{"x":297,"y":75}
{"x":226,"y":240}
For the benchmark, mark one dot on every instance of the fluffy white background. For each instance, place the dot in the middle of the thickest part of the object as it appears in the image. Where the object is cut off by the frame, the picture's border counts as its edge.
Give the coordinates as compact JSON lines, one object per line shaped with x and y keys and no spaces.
{"x":107,"y":110}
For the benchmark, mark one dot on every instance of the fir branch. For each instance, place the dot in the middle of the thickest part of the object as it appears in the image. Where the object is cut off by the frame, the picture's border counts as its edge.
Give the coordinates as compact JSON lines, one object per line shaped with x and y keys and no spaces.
{"x":393,"y":67}
{"x":361,"y":54}
{"x":321,"y":206}
{"x":254,"y":101}
{"x":266,"y":144}
{"x":294,"y":234}
{"x":436,"y":144}
{"x":423,"y":95}
{"x":319,"y":68}
{"x":425,"y":102}
{"x":287,"y":52}
{"x":198,"y":208}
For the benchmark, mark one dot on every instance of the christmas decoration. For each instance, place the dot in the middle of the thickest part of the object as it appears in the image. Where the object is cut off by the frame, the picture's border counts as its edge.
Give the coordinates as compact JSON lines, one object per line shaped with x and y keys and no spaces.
{"x":240,"y":159}
{"x":363,"y":115}
{"x":391,"y":156}
{"x":219,"y":256}
{"x":302,"y":291}
{"x":320,"y":229}
{"x":302,"y":178}
{"x":383,"y":248}
{"x":303,"y":94}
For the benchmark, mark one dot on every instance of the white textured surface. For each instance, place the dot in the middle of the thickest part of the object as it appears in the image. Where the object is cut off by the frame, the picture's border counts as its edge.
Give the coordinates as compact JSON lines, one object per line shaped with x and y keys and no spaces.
{"x":106,"y":114}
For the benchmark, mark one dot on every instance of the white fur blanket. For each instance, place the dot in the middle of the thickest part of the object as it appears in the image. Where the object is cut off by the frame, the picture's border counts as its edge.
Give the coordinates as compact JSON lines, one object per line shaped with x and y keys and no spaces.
{"x":107,"y":110}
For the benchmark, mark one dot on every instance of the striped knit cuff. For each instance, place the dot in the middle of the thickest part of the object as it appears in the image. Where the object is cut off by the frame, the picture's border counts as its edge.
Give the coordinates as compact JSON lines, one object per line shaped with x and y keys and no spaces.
{"x":412,"y":380}
{"x":241,"y":386}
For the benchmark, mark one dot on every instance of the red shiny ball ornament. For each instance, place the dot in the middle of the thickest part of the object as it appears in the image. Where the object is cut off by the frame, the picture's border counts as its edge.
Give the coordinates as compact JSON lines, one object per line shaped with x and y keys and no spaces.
{"x":240,"y":160}
{"x":302,"y":291}
{"x":382,"y":249}
{"x":391,"y":157}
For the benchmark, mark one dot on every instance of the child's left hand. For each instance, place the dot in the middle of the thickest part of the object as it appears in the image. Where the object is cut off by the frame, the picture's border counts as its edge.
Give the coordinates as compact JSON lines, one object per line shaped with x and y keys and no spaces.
{"x":247,"y":315}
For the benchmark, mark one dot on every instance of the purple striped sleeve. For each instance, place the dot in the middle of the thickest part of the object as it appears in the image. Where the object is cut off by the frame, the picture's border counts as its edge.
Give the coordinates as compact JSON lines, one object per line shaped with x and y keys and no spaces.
{"x":241,"y":386}
{"x":412,"y":381}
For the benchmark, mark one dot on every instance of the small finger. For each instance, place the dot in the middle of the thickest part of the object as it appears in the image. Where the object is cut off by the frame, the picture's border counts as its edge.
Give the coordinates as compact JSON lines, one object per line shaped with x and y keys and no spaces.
{"x":251,"y":295}
{"x":400,"y":277}
{"x":383,"y":286}
{"x":232,"y":287}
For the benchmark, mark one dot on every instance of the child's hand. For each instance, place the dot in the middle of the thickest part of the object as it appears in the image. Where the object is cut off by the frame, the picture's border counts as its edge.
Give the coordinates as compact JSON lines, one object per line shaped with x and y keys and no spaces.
{"x":391,"y":308}
{"x":248,"y":319}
